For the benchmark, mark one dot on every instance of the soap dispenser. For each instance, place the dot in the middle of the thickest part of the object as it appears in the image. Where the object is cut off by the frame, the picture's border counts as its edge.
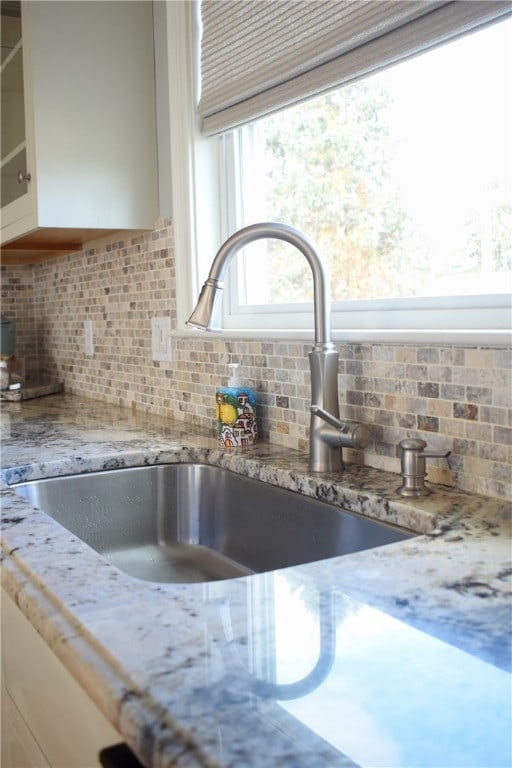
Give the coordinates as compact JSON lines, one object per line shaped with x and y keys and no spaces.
{"x":236,"y":412}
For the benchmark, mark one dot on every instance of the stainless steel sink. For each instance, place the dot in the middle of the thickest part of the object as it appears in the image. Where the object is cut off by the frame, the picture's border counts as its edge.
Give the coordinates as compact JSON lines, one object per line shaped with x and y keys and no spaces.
{"x":195,"y":523}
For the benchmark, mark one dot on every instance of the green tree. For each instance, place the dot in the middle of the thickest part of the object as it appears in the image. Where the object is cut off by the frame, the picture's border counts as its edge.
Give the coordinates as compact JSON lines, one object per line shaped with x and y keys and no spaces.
{"x":488,"y":246}
{"x":329,"y":174}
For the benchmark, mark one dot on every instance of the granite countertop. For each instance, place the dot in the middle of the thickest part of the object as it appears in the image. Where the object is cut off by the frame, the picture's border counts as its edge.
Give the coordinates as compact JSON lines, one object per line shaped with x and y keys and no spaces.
{"x":417,"y":632}
{"x":32,"y":388}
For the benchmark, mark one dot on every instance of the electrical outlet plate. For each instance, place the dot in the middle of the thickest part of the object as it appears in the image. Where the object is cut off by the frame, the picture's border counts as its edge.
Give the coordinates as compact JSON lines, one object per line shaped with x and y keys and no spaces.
{"x":88,"y":338}
{"x":161,"y":346}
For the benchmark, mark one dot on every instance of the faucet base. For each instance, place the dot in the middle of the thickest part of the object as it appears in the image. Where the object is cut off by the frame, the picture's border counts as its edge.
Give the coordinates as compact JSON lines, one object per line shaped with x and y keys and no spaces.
{"x":334,"y":466}
{"x":324,"y":452}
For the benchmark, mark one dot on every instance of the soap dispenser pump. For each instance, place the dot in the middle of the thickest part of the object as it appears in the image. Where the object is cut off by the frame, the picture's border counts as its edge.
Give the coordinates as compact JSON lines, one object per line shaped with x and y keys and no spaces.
{"x":236,"y":412}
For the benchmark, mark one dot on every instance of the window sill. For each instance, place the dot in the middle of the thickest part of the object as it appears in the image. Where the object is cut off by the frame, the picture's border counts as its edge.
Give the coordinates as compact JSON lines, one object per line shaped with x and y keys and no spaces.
{"x":487,"y":338}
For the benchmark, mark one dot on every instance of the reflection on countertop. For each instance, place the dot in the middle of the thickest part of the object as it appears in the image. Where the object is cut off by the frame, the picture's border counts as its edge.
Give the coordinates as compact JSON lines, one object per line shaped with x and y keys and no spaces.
{"x":405,"y":649}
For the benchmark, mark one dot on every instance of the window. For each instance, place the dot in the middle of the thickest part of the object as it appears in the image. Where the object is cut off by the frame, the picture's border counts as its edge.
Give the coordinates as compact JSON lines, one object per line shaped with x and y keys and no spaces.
{"x":393,"y":272}
{"x":403,"y":179}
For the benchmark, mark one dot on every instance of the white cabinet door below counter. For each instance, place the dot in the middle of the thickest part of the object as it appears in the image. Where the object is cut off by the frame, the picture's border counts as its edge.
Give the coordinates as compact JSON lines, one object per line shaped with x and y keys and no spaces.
{"x":47,"y":719}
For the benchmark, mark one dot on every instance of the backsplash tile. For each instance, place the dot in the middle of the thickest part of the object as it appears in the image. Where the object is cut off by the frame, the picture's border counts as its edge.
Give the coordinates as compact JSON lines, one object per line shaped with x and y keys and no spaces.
{"x":456,"y":398}
{"x":17,"y":305}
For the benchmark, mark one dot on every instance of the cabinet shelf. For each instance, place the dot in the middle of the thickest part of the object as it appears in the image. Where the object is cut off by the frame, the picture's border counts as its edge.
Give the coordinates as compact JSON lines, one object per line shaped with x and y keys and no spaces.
{"x":10,"y":56}
{"x":45,"y":244}
{"x":12,"y":154}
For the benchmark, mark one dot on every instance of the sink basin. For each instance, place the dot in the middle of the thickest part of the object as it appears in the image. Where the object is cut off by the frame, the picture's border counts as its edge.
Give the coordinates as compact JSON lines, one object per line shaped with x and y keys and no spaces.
{"x":196,"y":523}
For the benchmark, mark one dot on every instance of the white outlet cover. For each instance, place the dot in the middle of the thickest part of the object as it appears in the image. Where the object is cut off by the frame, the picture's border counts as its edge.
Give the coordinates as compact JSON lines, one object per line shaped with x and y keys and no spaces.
{"x":161,"y":346}
{"x":88,"y":338}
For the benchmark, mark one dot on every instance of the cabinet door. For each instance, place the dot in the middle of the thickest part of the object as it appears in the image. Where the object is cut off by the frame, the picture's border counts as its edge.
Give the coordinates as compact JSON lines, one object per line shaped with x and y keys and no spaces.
{"x":13,"y":145}
{"x":19,"y":749}
{"x":60,"y":719}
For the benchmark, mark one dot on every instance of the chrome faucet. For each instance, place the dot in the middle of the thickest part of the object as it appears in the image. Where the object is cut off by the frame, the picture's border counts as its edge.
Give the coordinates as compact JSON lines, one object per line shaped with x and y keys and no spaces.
{"x":328,"y":434}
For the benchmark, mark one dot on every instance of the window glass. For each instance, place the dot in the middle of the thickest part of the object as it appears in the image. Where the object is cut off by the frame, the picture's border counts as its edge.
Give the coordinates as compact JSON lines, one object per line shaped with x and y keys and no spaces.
{"x":403,"y":180}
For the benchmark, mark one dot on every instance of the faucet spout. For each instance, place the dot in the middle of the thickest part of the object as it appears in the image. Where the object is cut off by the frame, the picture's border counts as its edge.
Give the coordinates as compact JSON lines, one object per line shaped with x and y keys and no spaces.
{"x":206,"y":315}
{"x":327,"y":433}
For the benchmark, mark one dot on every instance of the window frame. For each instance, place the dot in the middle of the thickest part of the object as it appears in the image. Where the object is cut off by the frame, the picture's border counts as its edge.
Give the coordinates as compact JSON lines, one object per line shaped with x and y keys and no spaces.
{"x":207,"y":178}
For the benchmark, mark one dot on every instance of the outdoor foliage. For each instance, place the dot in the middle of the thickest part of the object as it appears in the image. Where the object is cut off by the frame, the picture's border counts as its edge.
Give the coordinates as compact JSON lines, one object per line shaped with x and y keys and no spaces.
{"x":328,"y":175}
{"x":328,"y":168}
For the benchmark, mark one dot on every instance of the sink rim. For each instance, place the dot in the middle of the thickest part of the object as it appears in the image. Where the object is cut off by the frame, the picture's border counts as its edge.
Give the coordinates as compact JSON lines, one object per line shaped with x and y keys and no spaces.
{"x":335,"y":511}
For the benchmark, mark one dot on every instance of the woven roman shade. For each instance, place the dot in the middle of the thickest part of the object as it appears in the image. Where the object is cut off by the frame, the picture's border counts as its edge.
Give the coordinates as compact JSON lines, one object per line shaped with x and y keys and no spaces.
{"x":258,"y":56}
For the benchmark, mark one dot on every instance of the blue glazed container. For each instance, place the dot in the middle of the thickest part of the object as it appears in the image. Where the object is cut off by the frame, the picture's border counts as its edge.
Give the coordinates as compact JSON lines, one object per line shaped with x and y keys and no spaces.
{"x":236,"y":413}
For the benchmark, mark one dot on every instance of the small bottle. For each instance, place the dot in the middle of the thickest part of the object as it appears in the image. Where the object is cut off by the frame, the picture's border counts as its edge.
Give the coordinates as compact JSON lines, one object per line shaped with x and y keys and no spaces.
{"x":236,"y":412}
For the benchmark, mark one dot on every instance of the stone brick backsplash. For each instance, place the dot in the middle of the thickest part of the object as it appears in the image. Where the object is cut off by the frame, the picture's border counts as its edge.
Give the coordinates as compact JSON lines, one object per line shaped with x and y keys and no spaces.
{"x":457,"y":398}
{"x":17,"y":305}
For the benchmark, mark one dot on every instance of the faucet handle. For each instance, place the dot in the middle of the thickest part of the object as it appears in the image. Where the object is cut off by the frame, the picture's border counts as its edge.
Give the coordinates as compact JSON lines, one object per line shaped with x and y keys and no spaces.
{"x":349,"y":434}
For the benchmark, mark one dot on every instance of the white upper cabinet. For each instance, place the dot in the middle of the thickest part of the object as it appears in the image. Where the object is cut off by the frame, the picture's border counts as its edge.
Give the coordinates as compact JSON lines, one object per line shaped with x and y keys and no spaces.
{"x":13,"y":146}
{"x":78,"y":147}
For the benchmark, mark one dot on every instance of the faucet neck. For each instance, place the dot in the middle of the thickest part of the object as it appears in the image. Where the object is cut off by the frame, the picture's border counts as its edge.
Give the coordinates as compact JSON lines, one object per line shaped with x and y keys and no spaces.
{"x":278,"y":231}
{"x":324,"y":456}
